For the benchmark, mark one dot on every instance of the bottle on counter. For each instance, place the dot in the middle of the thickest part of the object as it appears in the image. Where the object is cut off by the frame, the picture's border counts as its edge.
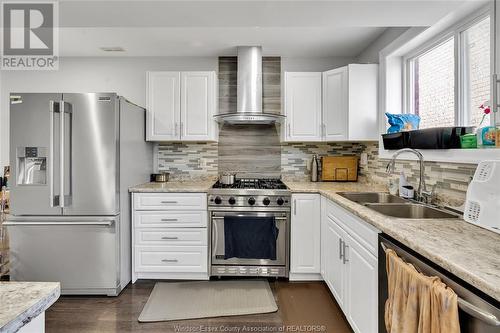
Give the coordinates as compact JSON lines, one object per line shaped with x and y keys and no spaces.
{"x":314,"y":168}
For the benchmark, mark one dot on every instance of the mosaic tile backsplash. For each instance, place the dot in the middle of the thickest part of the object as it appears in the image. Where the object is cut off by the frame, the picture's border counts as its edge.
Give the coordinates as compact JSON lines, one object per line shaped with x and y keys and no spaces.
{"x":199,"y":160}
{"x":188,"y":160}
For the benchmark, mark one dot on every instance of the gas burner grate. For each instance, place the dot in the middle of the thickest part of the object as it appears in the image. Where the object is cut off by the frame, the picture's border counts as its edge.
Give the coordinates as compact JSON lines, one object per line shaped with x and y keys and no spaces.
{"x":258,"y":184}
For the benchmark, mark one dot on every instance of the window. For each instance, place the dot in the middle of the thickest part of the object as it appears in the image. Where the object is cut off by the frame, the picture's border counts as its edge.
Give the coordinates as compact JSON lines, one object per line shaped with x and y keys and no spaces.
{"x":448,"y":80}
{"x":434,"y":86}
{"x":476,"y":58}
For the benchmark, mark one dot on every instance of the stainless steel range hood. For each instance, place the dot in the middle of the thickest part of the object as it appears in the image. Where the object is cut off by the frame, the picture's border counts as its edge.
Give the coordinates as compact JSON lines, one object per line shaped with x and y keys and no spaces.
{"x":249,"y":90}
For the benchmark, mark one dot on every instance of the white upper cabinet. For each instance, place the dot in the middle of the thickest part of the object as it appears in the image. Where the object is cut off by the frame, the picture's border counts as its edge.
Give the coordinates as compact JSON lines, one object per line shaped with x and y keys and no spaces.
{"x":362,"y":107}
{"x":335,"y":103}
{"x":163,"y":106}
{"x":181,"y":106}
{"x":339,"y":106}
{"x":302,"y":106}
{"x":350,"y":103}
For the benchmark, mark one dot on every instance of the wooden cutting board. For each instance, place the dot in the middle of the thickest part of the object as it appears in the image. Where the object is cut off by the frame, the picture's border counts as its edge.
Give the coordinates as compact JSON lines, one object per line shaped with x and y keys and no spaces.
{"x":339,"y":168}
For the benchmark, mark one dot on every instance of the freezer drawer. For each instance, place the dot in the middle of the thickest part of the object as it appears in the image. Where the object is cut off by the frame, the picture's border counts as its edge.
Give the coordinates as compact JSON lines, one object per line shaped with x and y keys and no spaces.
{"x":83,"y":255}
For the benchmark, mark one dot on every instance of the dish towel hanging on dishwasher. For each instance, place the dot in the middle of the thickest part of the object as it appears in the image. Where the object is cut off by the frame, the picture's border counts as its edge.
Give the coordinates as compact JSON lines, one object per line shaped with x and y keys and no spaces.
{"x":418,"y":303}
{"x":250,"y":237}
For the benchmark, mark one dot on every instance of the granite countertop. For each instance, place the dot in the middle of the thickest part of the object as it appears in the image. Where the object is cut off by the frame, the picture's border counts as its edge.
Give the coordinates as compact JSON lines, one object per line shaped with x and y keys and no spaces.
{"x":20,"y":302}
{"x":468,"y":251}
{"x":174,"y":186}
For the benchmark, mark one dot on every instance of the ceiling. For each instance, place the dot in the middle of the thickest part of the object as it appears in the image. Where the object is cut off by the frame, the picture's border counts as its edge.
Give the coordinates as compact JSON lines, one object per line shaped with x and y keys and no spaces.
{"x":211,"y":28}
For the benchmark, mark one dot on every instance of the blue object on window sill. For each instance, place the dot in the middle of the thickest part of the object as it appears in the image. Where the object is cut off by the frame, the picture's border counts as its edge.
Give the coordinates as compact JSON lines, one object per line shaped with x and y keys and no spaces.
{"x":402,"y":122}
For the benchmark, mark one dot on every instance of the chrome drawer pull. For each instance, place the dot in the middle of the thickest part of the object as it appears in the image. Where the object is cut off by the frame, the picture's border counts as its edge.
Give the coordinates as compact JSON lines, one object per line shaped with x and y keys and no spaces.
{"x":340,"y":248}
{"x":169,"y":238}
{"x":170,"y":260}
{"x":169,"y":202}
{"x":345,"y":256}
{"x":169,"y":220}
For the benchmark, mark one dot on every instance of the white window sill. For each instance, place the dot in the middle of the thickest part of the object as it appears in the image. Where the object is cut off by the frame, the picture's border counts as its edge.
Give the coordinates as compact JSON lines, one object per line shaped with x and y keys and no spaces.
{"x":467,"y":156}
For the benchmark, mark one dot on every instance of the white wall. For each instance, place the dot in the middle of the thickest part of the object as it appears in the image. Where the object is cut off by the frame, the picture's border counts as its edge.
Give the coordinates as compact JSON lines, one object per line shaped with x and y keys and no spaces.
{"x":314,"y":64}
{"x":370,"y":55}
{"x":124,"y":75}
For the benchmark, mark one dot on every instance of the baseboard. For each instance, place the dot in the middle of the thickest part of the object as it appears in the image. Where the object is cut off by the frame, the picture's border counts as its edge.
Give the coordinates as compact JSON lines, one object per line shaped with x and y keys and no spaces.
{"x":172,"y":276}
{"x":305,"y":277}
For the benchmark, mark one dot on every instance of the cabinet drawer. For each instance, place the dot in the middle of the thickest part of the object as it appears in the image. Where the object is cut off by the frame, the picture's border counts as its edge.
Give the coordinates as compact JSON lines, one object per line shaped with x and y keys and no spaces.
{"x":364,"y":233}
{"x":162,"y":219}
{"x":194,"y":236}
{"x":181,"y":259}
{"x":170,"y":201}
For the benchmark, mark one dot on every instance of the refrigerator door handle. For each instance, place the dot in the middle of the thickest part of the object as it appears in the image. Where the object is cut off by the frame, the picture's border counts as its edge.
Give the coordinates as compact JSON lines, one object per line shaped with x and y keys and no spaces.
{"x":44,"y":223}
{"x":54,"y":199}
{"x":65,"y":108}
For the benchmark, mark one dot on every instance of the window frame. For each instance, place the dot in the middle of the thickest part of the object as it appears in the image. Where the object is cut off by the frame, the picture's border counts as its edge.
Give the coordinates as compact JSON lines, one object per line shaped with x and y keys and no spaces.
{"x":460,"y":86}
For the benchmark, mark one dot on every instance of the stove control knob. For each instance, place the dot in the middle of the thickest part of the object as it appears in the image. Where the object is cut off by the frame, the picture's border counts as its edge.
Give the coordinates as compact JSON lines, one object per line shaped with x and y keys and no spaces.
{"x":266,"y":201}
{"x":218,"y":200}
{"x":232,"y":201}
{"x":280,"y":201}
{"x":251,"y":201}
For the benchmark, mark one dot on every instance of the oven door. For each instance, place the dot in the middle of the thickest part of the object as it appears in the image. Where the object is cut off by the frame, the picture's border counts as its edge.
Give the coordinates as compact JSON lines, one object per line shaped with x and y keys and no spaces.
{"x":218,"y":246}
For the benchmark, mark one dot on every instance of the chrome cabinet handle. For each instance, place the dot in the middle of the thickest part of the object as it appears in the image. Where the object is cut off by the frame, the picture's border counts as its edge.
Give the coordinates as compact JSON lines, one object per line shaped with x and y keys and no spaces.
{"x":340,"y":248}
{"x":170,"y":260}
{"x":169,"y":202}
{"x":181,"y":128}
{"x":289,"y":130}
{"x":169,"y":220}
{"x":344,"y":255}
{"x":295,"y":207}
{"x":169,"y":238}
{"x":175,"y":129}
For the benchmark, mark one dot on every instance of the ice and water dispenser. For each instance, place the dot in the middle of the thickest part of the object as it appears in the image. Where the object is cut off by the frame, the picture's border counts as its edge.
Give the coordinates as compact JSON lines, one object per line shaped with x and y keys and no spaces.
{"x":32,"y":165}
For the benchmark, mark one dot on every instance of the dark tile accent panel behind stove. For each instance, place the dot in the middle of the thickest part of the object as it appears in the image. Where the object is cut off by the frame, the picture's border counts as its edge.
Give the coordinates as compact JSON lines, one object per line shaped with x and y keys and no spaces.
{"x":250,"y":151}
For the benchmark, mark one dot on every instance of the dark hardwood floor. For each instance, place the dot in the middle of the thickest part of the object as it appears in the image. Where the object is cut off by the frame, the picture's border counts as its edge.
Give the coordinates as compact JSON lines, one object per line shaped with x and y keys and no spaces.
{"x":300,"y":303}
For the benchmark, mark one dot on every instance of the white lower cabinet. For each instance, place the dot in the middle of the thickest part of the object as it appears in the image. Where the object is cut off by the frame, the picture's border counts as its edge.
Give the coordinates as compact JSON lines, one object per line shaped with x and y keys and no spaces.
{"x":361,"y":272}
{"x":349,"y":265}
{"x":170,"y":236}
{"x":332,"y":268}
{"x":305,"y":258}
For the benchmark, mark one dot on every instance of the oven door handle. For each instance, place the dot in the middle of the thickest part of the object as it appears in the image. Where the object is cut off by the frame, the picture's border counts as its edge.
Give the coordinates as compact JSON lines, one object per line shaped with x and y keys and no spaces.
{"x":215,"y":238}
{"x":222,"y":217}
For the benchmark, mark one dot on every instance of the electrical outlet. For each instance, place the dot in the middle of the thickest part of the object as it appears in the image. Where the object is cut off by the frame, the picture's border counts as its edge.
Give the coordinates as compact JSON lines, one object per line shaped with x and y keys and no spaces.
{"x":458,"y":187}
{"x":363,"y":160}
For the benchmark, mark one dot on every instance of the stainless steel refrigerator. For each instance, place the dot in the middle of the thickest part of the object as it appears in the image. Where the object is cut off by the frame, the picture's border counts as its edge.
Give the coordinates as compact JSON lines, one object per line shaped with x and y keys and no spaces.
{"x":73,"y":157}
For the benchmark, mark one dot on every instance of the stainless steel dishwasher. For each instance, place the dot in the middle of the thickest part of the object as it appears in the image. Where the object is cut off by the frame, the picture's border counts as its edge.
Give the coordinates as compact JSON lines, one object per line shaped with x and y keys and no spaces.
{"x":478,"y":312}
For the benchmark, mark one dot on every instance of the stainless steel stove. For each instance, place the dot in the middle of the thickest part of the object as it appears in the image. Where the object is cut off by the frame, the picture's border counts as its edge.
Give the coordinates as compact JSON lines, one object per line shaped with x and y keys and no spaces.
{"x":250,"y":200}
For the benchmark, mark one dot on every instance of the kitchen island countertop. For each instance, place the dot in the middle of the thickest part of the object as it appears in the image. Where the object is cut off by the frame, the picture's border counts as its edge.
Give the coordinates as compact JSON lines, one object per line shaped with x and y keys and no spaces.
{"x":20,"y":302}
{"x":467,"y":251}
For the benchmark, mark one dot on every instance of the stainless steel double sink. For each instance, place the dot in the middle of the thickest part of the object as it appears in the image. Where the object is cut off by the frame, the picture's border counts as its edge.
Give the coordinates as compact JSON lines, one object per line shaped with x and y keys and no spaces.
{"x":395,"y":206}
